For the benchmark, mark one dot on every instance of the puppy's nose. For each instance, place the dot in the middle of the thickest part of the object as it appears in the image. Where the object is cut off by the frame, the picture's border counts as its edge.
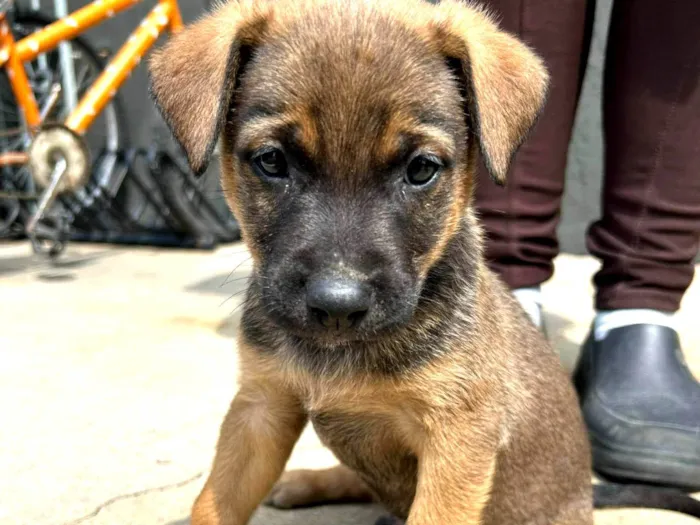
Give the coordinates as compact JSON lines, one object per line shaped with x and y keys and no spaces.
{"x":338,"y":304}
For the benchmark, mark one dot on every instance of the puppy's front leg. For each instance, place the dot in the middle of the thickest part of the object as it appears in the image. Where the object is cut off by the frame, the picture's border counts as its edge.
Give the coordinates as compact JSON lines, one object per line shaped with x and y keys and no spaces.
{"x":256,"y":439}
{"x":457,"y":463}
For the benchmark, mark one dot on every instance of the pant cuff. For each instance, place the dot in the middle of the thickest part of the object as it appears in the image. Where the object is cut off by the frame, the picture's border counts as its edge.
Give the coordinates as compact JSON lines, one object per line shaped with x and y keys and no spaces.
{"x":618,"y":298}
{"x":517,"y":276}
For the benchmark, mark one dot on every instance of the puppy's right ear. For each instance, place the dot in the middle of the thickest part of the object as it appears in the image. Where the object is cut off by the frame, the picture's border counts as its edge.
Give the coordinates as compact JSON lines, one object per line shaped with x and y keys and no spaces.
{"x":193,"y":76}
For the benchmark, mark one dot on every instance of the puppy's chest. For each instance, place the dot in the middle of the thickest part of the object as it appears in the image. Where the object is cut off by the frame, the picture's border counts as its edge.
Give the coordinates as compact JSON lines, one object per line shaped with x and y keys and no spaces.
{"x":371,"y":445}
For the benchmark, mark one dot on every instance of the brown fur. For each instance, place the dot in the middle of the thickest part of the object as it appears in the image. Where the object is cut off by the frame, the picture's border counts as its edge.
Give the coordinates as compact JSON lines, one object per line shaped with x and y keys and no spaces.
{"x":308,"y":487}
{"x":460,"y":414}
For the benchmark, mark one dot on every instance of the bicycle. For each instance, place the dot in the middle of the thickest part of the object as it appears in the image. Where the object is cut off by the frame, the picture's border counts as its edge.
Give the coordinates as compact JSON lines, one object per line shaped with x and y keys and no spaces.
{"x":57,"y":153}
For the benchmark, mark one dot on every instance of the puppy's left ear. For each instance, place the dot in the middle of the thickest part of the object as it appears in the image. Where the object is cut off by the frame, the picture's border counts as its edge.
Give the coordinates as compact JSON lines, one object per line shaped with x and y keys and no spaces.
{"x":193,"y":76}
{"x":506,"y":82}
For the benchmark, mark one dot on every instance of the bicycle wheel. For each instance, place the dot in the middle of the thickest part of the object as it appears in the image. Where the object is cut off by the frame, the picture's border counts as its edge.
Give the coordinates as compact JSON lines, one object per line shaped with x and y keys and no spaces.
{"x":105,"y":138}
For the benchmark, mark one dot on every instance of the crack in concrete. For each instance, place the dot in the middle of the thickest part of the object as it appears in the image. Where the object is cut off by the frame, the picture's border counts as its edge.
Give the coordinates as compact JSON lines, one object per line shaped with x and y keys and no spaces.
{"x":130,"y":495}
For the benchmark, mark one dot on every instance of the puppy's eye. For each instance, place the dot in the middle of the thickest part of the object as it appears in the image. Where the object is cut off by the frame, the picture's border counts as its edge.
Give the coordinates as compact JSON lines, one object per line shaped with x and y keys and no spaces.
{"x":421,"y":170}
{"x":272,"y":163}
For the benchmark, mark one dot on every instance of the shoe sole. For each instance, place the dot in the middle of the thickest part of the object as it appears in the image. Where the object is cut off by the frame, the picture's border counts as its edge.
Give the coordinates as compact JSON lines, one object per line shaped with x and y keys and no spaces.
{"x":633,"y":467}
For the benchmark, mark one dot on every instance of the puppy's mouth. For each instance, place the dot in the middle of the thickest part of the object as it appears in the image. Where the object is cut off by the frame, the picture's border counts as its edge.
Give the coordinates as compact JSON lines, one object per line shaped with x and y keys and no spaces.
{"x":334,"y":333}
{"x":337,"y":320}
{"x":334,"y":340}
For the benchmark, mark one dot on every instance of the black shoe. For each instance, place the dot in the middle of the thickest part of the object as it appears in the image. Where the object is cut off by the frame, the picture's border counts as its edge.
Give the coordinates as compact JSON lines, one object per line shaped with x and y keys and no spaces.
{"x":641,"y":405}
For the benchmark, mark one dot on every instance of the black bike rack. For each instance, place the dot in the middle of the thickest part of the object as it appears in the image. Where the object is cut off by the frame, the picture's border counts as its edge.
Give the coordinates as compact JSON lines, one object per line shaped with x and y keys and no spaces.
{"x":159,"y":202}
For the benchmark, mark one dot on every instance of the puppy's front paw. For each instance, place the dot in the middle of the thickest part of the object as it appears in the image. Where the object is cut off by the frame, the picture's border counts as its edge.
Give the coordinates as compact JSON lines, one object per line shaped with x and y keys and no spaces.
{"x":296,"y":488}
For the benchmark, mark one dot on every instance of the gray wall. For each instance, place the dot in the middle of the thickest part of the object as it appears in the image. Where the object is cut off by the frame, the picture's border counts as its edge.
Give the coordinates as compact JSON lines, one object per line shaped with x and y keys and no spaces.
{"x":585,"y":165}
{"x":581,"y":204}
{"x":145,"y":124}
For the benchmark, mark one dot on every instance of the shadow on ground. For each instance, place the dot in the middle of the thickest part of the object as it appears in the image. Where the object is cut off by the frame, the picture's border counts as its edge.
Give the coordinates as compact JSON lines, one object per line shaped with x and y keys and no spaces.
{"x":226,"y":284}
{"x":557,"y":329}
{"x":60,"y":269}
{"x":231,"y":287}
{"x":325,"y":515}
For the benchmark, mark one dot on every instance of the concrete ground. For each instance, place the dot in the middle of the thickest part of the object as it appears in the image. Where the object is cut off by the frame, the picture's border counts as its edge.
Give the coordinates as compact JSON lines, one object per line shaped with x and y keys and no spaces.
{"x":117,"y":365}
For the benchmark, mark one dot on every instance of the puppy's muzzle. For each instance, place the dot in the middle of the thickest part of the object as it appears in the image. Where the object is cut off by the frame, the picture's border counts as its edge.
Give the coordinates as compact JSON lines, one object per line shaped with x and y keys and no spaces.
{"x":338,"y":304}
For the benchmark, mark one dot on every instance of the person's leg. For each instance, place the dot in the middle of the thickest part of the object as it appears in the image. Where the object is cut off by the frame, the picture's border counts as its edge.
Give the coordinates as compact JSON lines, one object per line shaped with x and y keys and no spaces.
{"x":641,"y":404}
{"x":650,"y":228}
{"x":520,"y":219}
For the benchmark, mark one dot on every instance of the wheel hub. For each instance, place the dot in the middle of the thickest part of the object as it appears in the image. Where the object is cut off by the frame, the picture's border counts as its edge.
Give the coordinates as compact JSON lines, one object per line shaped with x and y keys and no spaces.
{"x":53,"y":143}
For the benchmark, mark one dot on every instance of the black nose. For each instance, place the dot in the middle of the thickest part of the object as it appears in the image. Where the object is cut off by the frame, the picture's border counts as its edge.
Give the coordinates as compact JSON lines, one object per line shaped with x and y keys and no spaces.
{"x":338,"y":304}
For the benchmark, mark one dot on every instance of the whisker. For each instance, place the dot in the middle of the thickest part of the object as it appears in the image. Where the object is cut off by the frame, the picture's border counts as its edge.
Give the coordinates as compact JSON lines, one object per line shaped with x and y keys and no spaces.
{"x":233,"y":295}
{"x":237,"y":279}
{"x":236,"y":308}
{"x":234,"y":270}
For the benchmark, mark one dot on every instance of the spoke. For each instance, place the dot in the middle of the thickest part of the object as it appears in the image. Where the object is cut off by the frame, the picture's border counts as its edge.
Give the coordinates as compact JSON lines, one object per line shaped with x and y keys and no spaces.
{"x":29,"y":67}
{"x":83,"y":79}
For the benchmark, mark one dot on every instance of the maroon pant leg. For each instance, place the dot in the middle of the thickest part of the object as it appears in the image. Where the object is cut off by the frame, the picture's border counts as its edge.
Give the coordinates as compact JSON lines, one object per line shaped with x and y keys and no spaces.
{"x":649,"y":231}
{"x":520,"y":219}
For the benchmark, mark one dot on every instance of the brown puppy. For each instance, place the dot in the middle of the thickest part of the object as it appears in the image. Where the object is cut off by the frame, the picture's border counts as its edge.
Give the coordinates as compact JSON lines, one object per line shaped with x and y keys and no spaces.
{"x":350,"y":132}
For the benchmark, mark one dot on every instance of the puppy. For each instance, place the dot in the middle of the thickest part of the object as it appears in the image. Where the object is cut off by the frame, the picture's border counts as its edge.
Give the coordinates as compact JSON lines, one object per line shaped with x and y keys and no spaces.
{"x":350,"y":132}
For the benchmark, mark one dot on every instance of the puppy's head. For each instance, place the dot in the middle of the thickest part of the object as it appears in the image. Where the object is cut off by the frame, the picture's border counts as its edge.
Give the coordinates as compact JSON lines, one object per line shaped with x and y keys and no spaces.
{"x":349,"y":132}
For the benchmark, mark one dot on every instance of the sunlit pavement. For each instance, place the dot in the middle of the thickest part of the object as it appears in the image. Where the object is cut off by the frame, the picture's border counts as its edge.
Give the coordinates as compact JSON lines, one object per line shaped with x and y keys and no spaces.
{"x":117,"y":365}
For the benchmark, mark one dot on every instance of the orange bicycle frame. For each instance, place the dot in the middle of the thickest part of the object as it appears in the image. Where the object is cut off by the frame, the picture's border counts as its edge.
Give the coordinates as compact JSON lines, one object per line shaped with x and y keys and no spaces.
{"x":13,"y":55}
